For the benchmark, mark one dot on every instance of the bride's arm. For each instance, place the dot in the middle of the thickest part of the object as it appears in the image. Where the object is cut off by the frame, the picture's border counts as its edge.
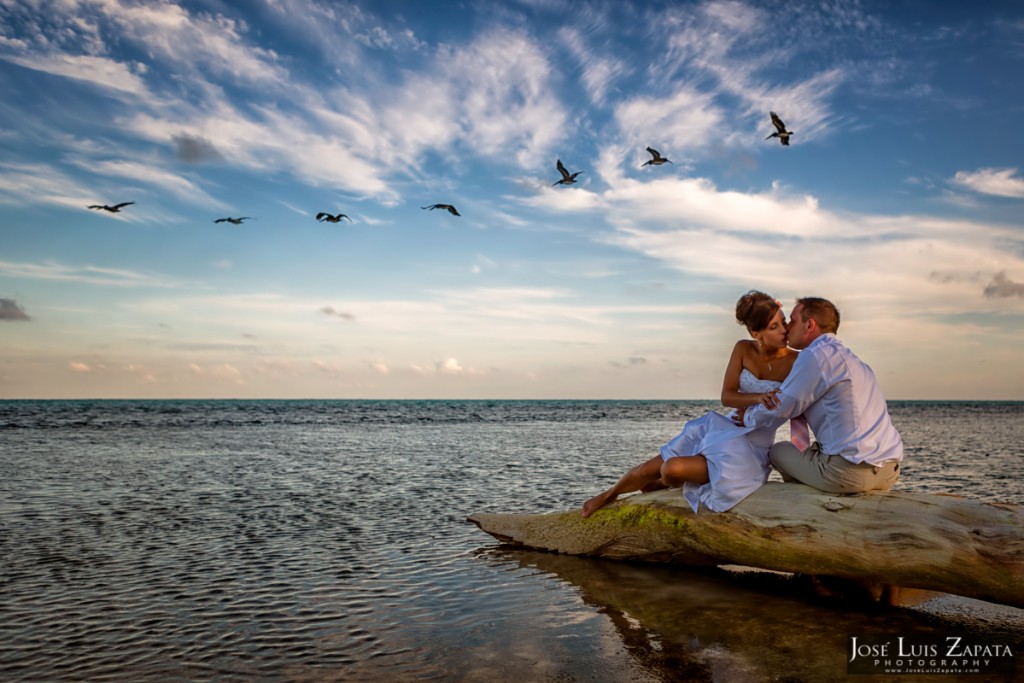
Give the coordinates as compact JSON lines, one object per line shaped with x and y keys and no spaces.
{"x":732,"y":397}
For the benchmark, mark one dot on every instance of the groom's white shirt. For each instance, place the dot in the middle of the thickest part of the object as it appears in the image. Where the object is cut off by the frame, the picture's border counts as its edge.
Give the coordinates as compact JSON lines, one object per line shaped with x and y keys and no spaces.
{"x":840,"y":397}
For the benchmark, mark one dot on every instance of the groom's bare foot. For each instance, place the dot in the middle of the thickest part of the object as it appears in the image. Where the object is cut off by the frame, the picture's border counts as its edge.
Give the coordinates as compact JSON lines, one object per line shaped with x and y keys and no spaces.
{"x":596,"y":503}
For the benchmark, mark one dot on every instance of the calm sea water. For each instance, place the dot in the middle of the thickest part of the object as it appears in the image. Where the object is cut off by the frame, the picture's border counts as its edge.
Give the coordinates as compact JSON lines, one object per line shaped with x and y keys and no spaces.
{"x":326,"y":540}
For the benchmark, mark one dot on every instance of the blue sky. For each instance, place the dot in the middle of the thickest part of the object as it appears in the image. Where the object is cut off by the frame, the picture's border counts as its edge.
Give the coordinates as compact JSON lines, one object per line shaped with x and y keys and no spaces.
{"x":900,"y":197}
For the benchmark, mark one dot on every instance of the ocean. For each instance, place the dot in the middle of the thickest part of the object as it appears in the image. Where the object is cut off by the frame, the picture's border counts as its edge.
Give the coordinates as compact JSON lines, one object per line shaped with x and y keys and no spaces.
{"x":327,"y":540}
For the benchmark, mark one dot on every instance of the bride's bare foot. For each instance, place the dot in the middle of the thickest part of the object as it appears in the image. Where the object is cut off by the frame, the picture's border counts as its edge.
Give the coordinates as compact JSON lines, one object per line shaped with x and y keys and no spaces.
{"x":596,"y":503}
{"x":654,"y":486}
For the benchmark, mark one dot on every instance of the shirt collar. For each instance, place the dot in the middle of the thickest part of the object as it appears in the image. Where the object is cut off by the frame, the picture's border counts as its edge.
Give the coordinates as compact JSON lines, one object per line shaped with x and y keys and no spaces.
{"x":821,"y":336}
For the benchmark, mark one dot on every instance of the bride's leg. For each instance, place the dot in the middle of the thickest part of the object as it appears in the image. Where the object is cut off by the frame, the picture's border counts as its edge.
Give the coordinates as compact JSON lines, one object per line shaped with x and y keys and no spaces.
{"x":690,"y":468}
{"x":633,"y":480}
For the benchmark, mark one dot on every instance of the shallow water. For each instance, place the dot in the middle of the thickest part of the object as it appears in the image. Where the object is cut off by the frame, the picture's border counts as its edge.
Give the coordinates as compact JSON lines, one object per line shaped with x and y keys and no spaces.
{"x":320,"y":540}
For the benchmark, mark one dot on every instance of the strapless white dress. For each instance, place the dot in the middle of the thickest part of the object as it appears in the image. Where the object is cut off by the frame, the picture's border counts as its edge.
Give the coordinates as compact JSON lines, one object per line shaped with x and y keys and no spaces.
{"x":737,"y":456}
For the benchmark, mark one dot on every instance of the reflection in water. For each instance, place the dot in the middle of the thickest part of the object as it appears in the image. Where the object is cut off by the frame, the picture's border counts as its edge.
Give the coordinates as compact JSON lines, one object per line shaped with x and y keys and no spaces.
{"x":679,"y":624}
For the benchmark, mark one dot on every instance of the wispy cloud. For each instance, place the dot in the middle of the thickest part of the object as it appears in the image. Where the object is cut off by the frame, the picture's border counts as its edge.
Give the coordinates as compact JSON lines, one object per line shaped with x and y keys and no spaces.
{"x":447,"y":366}
{"x":101,"y":71}
{"x":724,"y":49}
{"x":153,"y":174}
{"x":80,"y":367}
{"x":223,"y":372}
{"x":1002,"y":182}
{"x":92,"y":275}
{"x":757,"y":238}
{"x":686,"y":119}
{"x":600,"y":72}
{"x":494,"y":95}
{"x":36,"y":183}
{"x":198,"y":41}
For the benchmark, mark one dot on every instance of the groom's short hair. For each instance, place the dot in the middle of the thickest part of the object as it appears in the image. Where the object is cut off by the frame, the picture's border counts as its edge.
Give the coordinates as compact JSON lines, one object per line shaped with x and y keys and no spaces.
{"x":822,"y":311}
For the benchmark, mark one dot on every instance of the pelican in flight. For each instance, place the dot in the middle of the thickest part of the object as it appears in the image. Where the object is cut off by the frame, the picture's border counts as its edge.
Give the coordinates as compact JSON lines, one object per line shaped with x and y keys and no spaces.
{"x":323,"y":216}
{"x":447,"y":207}
{"x":658,"y":160}
{"x":234,"y":221}
{"x":567,"y":178}
{"x":116,"y":208}
{"x":780,"y":130}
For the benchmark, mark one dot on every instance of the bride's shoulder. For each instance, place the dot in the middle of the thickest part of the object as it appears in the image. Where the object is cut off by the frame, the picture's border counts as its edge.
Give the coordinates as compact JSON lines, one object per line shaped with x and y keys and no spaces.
{"x":745,"y":346}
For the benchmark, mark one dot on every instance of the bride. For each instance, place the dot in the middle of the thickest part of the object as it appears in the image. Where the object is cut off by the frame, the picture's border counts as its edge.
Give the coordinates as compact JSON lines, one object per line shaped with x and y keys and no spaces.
{"x":715,"y":461}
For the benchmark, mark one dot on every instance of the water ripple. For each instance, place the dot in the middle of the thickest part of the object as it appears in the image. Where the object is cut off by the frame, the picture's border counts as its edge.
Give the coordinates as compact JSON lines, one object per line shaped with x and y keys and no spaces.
{"x":325,"y":540}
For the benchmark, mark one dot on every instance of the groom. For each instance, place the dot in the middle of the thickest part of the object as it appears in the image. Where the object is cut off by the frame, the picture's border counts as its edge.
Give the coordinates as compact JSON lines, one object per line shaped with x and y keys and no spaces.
{"x":857,"y":447}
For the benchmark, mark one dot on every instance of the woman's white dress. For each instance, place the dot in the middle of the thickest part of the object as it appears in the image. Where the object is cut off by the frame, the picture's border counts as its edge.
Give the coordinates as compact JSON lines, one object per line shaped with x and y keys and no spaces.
{"x":737,"y":456}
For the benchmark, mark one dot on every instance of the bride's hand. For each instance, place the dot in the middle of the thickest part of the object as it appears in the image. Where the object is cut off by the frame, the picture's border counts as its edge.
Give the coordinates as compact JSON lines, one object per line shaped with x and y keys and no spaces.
{"x":737,"y":417}
{"x":770,"y":399}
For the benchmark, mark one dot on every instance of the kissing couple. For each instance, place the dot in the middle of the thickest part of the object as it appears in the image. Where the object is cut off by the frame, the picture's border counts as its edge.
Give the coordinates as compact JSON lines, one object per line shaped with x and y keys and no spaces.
{"x":798,"y":371}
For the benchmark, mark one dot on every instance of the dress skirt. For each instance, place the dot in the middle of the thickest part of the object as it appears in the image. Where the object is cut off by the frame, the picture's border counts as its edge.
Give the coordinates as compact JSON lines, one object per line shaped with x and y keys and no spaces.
{"x":737,"y":460}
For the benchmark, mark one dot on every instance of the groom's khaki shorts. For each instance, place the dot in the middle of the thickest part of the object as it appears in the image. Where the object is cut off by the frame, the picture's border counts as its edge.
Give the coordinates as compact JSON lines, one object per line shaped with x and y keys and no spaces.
{"x":831,"y":473}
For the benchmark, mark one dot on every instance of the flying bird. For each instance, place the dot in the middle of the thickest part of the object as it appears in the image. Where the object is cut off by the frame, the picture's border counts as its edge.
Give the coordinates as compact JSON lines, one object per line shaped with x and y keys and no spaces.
{"x":658,"y":160}
{"x":234,"y":221}
{"x":567,"y":178}
{"x":323,"y":216}
{"x":116,"y":208}
{"x":780,"y":130}
{"x":448,"y":207}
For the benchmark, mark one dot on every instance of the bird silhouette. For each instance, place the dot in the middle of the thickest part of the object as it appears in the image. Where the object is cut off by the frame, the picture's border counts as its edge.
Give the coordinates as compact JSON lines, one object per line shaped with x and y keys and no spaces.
{"x":116,"y":208}
{"x":234,"y":221}
{"x":323,"y":216}
{"x":780,"y":130}
{"x":658,"y":160}
{"x":448,"y":207}
{"x":567,"y":178}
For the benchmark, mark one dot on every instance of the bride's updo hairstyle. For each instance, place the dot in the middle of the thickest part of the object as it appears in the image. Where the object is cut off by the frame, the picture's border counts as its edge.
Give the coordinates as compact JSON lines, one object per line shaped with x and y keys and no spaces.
{"x":755,"y":310}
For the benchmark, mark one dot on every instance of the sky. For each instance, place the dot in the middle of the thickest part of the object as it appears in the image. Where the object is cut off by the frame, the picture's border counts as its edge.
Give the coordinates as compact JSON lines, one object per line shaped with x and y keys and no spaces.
{"x":899,"y":198}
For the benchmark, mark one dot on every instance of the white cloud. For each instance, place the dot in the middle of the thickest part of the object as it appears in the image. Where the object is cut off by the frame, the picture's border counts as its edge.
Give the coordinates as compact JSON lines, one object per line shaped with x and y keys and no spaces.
{"x":1002,"y":182}
{"x":271,"y":141}
{"x":727,"y":42}
{"x":142,"y":372}
{"x":698,"y":203}
{"x":92,"y":275}
{"x":33,"y":183}
{"x":200,"y":41}
{"x":684,"y":119}
{"x":501,"y":96}
{"x":82,"y":368}
{"x":224,"y":372}
{"x":177,"y":185}
{"x":563,"y":199}
{"x":599,"y":72}
{"x":481,"y":263}
{"x":104,"y":72}
{"x":791,"y":246}
{"x":379,"y":367}
{"x":449,"y":366}
{"x":493,"y":95}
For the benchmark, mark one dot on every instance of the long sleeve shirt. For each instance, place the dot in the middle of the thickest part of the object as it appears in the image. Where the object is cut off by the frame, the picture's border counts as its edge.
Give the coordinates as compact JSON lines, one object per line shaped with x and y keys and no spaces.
{"x":838,"y":394}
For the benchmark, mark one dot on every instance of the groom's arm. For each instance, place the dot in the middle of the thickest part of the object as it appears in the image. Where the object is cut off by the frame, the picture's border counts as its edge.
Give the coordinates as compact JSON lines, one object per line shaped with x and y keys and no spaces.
{"x":804,"y":386}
